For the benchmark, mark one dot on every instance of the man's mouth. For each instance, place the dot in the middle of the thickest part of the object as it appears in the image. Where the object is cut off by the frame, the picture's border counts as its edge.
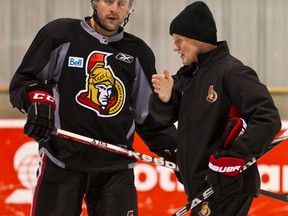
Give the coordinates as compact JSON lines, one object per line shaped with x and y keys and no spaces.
{"x":112,"y":18}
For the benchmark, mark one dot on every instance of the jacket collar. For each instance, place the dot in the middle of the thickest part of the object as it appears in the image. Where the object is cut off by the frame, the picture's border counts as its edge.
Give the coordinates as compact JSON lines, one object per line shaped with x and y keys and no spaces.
{"x":214,"y":55}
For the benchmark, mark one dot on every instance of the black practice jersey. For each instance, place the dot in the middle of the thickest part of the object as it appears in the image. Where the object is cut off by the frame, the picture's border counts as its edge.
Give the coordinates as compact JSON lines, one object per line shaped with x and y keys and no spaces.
{"x":101,"y":86}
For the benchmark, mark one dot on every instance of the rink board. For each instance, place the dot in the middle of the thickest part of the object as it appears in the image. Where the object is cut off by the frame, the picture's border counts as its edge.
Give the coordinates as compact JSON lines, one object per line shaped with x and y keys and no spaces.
{"x":158,"y":191}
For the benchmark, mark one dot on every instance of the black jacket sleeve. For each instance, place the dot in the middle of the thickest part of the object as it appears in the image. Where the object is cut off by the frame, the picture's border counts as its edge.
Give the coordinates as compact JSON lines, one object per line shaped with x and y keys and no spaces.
{"x":158,"y":136}
{"x":164,"y":112}
{"x":257,"y":108}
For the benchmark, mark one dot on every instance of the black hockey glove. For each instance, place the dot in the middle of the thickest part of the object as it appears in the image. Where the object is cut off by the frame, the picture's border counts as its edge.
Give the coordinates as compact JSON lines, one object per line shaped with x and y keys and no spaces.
{"x":170,"y":155}
{"x":225,"y":174}
{"x":41,"y":118}
{"x":225,"y":166}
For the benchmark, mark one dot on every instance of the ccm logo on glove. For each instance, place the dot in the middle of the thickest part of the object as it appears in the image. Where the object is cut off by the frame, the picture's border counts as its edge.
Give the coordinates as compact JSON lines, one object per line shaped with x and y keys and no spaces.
{"x":41,"y":96}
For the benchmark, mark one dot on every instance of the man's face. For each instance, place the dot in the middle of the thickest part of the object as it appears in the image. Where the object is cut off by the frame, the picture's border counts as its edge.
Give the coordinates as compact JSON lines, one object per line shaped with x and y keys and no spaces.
{"x":111,"y":13}
{"x":187,"y":48}
{"x":104,"y":93}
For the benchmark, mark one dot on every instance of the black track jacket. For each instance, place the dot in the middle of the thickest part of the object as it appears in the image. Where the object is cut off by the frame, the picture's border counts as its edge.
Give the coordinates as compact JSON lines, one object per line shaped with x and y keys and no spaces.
{"x":101,"y":86}
{"x":201,"y":101}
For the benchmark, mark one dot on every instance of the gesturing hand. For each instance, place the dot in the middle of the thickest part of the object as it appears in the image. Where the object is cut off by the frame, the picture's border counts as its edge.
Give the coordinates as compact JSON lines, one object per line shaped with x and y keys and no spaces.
{"x":163,"y":84}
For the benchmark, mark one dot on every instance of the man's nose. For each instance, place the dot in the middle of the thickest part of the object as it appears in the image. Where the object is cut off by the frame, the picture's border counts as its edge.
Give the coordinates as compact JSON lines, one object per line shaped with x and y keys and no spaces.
{"x":114,"y":6}
{"x":175,"y":48}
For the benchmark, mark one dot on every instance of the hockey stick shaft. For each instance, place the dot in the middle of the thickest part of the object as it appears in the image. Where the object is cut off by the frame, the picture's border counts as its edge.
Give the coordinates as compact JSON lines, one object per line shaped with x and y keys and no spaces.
{"x":281,"y":197}
{"x":116,"y":149}
{"x":209,"y":191}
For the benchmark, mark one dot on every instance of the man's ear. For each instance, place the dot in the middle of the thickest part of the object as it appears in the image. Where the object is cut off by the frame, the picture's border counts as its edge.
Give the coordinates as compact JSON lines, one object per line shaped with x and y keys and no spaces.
{"x":94,"y":4}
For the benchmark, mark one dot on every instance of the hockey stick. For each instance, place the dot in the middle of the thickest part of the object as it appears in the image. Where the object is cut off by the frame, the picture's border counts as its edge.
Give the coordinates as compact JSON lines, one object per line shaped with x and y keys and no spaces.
{"x":164,"y":163}
{"x":209,"y":191}
{"x":282,"y":197}
{"x":116,"y":149}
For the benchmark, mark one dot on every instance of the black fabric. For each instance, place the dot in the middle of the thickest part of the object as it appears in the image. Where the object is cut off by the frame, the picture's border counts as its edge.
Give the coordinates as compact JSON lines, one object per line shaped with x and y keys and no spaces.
{"x":224,"y":185}
{"x":112,"y":189}
{"x":37,"y":85}
{"x":59,"y":192}
{"x":195,"y":21}
{"x":40,"y":121}
{"x":220,"y":142}
{"x":229,"y":206}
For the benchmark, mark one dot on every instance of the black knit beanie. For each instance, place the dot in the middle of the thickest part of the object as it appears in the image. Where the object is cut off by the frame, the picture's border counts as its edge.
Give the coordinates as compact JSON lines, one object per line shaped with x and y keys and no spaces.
{"x":195,"y":21}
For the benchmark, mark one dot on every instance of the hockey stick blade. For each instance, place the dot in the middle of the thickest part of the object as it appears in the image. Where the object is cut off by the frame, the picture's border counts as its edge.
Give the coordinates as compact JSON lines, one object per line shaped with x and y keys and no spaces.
{"x":281,"y":197}
{"x":208,"y":192}
{"x":114,"y":148}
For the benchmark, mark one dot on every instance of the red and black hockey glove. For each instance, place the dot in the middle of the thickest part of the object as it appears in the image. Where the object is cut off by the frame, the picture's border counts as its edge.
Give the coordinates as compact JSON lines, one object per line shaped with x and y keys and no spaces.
{"x":225,"y":173}
{"x":41,"y":118}
{"x":225,"y":166}
{"x":234,"y":128}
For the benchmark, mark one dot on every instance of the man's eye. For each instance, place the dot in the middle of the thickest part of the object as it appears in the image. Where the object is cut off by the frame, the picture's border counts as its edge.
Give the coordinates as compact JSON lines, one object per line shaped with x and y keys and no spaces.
{"x":109,"y":1}
{"x":122,"y":3}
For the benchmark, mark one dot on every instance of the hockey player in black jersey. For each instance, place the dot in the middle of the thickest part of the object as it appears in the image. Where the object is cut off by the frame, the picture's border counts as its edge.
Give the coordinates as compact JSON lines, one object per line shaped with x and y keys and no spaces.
{"x":91,"y":78}
{"x":211,"y":88}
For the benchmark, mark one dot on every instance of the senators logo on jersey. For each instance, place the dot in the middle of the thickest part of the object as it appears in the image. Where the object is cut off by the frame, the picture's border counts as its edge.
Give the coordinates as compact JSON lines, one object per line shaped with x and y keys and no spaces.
{"x":104,"y":93}
{"x":205,"y":210}
{"x":212,"y":94}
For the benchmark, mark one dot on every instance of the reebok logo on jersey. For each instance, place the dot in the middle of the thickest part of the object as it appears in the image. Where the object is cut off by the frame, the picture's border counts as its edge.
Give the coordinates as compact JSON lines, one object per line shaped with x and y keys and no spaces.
{"x":76,"y":62}
{"x":125,"y":58}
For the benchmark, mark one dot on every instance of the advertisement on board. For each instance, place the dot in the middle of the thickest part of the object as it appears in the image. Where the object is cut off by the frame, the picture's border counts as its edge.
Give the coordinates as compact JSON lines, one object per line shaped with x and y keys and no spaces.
{"x":159,"y":193}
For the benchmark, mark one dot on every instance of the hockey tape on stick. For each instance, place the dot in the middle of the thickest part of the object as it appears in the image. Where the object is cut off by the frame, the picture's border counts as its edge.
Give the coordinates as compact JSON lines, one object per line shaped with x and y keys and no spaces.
{"x":281,"y":197}
{"x":284,"y":196}
{"x":209,"y":191}
{"x":116,"y":149}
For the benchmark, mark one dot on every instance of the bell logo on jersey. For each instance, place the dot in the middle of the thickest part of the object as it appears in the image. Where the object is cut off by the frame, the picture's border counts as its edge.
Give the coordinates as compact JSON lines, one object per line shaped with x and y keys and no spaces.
{"x":205,"y":210}
{"x":75,"y":62}
{"x":212,"y":95}
{"x":104,"y":93}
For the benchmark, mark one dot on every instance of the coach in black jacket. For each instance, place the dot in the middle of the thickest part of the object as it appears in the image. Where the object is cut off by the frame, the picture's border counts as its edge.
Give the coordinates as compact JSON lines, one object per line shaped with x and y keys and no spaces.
{"x":210,"y":89}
